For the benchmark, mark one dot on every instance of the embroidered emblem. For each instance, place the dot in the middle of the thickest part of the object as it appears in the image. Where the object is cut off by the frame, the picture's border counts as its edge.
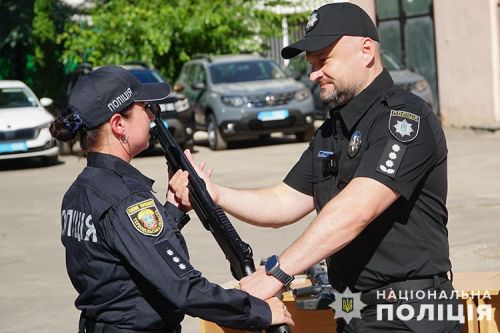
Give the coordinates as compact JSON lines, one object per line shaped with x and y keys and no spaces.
{"x":354,"y":144}
{"x":174,"y":259}
{"x":404,"y":125}
{"x":146,"y":218}
{"x":391,"y":158}
{"x":313,"y":20}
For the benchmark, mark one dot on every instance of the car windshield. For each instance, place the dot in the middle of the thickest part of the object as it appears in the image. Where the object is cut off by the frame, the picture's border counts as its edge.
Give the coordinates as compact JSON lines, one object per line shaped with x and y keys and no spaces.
{"x":147,"y":76}
{"x":389,"y":62}
{"x":244,"y":71}
{"x":15,"y":98}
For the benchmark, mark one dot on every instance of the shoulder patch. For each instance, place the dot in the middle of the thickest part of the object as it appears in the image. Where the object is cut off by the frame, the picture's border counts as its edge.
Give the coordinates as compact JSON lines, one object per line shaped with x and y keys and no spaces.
{"x":175,"y":260}
{"x":146,"y":218}
{"x":391,"y":158}
{"x":404,"y":125}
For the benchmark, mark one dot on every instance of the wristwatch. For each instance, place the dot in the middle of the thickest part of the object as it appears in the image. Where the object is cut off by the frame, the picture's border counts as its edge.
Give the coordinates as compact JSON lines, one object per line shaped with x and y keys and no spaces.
{"x":272,"y":267}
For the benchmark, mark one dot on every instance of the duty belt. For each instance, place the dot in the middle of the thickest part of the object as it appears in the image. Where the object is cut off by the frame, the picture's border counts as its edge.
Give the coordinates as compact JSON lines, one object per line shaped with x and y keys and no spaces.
{"x":389,"y":293}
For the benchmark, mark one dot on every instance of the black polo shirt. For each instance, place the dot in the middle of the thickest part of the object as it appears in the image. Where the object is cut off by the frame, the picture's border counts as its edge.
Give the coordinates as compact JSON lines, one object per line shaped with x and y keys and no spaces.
{"x":128,"y":260}
{"x":390,"y":135}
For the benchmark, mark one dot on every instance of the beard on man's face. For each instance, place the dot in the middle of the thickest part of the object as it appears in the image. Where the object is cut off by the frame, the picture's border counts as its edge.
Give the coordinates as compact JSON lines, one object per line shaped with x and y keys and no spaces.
{"x":338,"y":96}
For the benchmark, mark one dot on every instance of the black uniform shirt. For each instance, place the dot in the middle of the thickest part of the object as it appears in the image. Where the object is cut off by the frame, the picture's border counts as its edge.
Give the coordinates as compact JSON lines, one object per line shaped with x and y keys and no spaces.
{"x":390,"y":135}
{"x":128,"y":261}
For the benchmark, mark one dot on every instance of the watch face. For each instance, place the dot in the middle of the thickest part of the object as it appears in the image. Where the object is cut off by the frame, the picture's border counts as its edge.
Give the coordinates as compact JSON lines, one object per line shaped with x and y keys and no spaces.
{"x":271,"y":263}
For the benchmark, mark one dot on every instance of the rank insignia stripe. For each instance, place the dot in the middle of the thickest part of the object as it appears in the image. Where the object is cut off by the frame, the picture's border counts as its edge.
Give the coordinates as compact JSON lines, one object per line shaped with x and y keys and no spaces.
{"x":146,"y":218}
{"x":392,"y":156}
{"x":404,"y":125}
{"x":173,"y":258}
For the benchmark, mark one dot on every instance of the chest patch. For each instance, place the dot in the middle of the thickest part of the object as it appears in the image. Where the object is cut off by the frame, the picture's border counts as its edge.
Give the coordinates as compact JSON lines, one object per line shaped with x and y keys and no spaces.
{"x":404,"y":125}
{"x":146,"y":218}
{"x":174,"y":259}
{"x":391,"y":158}
{"x":354,"y":144}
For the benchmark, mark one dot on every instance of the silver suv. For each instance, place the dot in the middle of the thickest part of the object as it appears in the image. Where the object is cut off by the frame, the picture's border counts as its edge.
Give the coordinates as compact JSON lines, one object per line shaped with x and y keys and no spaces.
{"x":245,"y":96}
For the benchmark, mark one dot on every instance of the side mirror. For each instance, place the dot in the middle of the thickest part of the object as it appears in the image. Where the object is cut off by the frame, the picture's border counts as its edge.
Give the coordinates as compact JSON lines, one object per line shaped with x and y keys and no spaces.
{"x":178,"y":87}
{"x":45,"y":101}
{"x":198,"y":86}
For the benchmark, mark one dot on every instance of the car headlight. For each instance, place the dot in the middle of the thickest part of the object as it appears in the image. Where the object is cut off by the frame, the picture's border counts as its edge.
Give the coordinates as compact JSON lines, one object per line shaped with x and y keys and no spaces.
{"x":233,"y":100}
{"x":302,"y":94}
{"x":43,"y":127}
{"x":419,"y":86}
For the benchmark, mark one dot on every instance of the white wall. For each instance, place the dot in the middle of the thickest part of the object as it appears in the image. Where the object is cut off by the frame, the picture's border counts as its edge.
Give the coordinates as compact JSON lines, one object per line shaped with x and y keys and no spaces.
{"x":467,"y":47}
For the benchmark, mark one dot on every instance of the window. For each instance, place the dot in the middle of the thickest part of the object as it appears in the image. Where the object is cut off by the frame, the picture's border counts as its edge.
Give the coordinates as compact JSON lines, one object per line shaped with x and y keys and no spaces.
{"x":16,"y":98}
{"x":244,"y":71}
{"x":406,"y":30}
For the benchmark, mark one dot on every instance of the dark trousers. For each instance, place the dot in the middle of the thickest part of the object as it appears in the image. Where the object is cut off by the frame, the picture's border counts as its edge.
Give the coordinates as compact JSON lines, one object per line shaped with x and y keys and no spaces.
{"x":368,"y":323}
{"x":87,"y":326}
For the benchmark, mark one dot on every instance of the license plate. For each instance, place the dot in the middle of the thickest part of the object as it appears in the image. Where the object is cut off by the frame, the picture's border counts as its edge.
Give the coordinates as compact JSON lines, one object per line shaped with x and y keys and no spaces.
{"x":272,"y":115}
{"x":13,"y":147}
{"x":167,"y":107}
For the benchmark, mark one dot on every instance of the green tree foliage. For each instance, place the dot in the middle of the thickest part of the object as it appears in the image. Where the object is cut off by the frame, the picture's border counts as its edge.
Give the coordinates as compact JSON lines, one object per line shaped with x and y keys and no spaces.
{"x":164,"y":34}
{"x":15,"y":38}
{"x":48,"y":22}
{"x":40,"y":44}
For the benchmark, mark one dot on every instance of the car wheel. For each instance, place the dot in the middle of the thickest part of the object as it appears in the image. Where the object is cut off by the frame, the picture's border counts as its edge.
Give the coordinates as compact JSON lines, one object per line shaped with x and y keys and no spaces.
{"x":305,"y":136}
{"x":215,"y":139}
{"x":189,"y":144}
{"x":50,"y":160}
{"x":65,"y":148}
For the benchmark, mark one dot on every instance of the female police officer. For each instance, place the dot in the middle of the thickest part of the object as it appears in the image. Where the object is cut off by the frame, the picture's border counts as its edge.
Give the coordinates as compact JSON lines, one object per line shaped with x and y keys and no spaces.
{"x":124,"y":252}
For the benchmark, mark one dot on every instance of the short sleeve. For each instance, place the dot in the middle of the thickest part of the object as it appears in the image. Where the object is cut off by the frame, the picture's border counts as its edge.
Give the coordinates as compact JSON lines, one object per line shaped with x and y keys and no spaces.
{"x":300,"y":177}
{"x":400,"y":165}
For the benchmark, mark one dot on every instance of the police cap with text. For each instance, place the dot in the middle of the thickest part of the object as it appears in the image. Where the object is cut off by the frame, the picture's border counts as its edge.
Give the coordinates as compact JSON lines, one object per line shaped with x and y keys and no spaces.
{"x":109,"y":90}
{"x":328,"y":24}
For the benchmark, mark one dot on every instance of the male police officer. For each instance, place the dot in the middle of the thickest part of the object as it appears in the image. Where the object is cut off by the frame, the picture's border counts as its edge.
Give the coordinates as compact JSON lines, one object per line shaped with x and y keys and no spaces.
{"x":375,"y":172}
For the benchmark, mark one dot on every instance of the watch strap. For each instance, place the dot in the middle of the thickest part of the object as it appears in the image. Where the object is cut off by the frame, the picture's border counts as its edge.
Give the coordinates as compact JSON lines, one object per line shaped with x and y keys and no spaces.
{"x":283,"y":277}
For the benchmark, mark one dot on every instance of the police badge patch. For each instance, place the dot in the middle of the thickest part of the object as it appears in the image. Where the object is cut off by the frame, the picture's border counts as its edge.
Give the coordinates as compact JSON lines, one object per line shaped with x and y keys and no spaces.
{"x":313,"y":20}
{"x":404,"y":125}
{"x":146,"y":218}
{"x":354,"y":144}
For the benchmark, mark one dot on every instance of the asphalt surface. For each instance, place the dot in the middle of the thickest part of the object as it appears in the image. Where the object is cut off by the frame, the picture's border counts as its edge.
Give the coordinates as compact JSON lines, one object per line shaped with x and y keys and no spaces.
{"x":36,"y":294}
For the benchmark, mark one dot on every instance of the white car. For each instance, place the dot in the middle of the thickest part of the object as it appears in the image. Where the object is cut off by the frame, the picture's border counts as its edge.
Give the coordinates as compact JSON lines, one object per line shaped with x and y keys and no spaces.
{"x":24,"y":124}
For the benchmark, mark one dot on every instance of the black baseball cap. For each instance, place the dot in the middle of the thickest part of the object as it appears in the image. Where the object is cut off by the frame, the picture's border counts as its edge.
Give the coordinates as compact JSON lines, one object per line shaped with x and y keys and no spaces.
{"x":109,"y":90}
{"x":328,"y":24}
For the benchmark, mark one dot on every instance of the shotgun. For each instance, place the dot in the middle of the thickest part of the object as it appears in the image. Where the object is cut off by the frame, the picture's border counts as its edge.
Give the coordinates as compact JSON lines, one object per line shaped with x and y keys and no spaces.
{"x":214,"y":219}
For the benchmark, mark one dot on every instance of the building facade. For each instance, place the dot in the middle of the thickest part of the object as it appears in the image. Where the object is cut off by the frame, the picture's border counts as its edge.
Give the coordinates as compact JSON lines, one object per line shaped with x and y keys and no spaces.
{"x":463,"y":36}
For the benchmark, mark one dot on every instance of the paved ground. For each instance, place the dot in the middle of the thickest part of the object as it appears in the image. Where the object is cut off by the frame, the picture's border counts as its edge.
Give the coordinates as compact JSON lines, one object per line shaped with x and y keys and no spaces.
{"x":36,"y":295}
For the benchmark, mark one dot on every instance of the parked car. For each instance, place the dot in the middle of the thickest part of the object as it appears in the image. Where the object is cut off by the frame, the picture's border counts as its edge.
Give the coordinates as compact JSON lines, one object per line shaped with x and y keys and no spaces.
{"x":409,"y":80}
{"x":24,"y":124}
{"x":238,"y":97}
{"x":176,"y":113}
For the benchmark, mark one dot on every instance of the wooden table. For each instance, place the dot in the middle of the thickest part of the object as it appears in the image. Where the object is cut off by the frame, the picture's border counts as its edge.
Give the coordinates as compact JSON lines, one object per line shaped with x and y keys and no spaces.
{"x":322,"y":321}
